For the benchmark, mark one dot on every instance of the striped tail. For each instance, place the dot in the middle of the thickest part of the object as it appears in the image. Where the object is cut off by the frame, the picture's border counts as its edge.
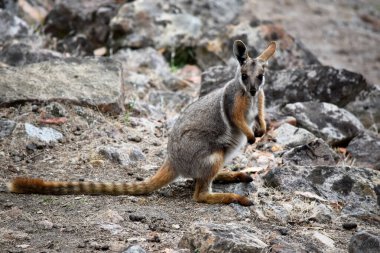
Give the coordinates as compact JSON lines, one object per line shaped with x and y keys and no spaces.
{"x":164,"y":176}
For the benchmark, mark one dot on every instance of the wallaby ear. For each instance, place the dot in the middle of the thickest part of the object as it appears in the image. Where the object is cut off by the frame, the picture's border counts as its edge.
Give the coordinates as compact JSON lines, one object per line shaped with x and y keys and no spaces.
{"x":240,"y":51}
{"x":268,"y":52}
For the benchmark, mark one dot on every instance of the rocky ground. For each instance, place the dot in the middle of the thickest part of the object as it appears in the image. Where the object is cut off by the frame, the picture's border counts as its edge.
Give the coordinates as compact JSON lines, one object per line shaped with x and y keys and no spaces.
{"x":90,"y":90}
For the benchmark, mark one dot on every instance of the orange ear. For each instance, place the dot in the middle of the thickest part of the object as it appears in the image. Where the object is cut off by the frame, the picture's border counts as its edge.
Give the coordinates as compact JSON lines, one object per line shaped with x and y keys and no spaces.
{"x":268,"y":52}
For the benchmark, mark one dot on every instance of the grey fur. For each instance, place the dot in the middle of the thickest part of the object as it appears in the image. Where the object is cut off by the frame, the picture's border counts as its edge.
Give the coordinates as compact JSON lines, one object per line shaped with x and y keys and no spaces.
{"x":206,"y":126}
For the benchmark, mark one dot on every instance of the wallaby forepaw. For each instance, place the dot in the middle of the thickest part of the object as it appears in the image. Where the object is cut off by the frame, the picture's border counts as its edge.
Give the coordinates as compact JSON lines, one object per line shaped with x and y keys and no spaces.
{"x":245,"y":178}
{"x":251,"y":140}
{"x":259,"y":132}
{"x":244,"y":201}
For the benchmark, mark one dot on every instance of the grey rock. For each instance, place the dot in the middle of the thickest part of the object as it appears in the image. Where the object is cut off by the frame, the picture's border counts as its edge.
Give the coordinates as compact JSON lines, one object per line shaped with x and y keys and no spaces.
{"x":145,"y":58}
{"x":324,"y":239}
{"x":349,"y":185}
{"x":290,"y":136}
{"x":241,"y":211}
{"x":80,"y":26}
{"x":377,"y":191}
{"x":134,"y":249}
{"x":366,"y":107}
{"x":114,"y":229}
{"x":215,"y":77}
{"x":12,"y":26}
{"x":10,"y":6}
{"x":322,"y":214}
{"x":114,"y":155}
{"x":214,"y":13}
{"x":136,"y":154}
{"x":222,"y":238}
{"x":19,"y":54}
{"x":6,"y":127}
{"x":56,"y":109}
{"x":316,"y":152}
{"x":173,"y":25}
{"x":94,"y":82}
{"x":278,"y":212}
{"x":174,"y":101}
{"x":364,"y":242}
{"x":365,"y":149}
{"x":45,"y":224}
{"x":313,"y":83}
{"x":145,"y":66}
{"x":335,"y":125}
{"x":45,"y":134}
{"x":123,"y":154}
{"x":164,"y":27}
{"x":244,"y":189}
{"x":280,"y":246}
{"x":139,"y":82}
{"x":181,"y":29}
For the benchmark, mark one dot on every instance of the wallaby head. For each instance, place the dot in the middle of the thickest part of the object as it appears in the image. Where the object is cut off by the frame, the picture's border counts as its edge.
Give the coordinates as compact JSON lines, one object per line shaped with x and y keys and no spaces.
{"x":251,"y":71}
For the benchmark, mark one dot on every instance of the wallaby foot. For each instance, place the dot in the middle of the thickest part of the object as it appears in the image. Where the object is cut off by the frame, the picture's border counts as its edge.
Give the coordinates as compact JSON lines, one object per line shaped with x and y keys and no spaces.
{"x":232,"y":177}
{"x":222,"y":198}
{"x":203,"y":192}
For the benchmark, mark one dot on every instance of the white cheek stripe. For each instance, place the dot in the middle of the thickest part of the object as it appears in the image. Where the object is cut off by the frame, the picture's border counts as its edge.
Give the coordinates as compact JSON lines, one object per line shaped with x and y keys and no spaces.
{"x":262,"y":82}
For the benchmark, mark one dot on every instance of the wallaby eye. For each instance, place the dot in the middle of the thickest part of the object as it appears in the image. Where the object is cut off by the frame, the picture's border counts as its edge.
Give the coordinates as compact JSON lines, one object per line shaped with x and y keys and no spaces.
{"x":244,"y":77}
{"x":260,"y":77}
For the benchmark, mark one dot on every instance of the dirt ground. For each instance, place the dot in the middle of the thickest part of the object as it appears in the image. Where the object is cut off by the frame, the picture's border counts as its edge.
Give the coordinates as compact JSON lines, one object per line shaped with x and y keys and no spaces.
{"x":37,"y":223}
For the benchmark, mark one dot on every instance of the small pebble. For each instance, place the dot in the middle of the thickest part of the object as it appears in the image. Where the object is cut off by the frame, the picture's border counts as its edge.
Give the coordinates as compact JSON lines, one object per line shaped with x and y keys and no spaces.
{"x":283,"y":231}
{"x":134,"y":217}
{"x":349,"y":225}
{"x":134,"y":138}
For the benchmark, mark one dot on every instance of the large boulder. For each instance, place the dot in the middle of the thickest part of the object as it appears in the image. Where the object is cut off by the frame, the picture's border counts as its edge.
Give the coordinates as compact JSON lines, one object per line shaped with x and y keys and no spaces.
{"x":289,"y":136}
{"x":313,"y":83}
{"x":12,"y":27}
{"x":337,"y":184}
{"x":176,"y":26}
{"x":149,"y":62}
{"x":20,"y":53}
{"x":316,"y":152}
{"x":80,"y":26}
{"x":146,"y":23}
{"x":94,"y":82}
{"x":6,"y":127}
{"x":335,"y":125}
{"x":218,"y":238}
{"x":366,"y":107}
{"x":365,"y":149}
{"x":364,"y":242}
{"x":216,"y":77}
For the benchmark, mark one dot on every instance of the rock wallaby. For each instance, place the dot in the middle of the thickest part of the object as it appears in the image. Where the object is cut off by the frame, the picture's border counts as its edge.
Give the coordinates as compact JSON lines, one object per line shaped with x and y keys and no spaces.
{"x":207,"y":134}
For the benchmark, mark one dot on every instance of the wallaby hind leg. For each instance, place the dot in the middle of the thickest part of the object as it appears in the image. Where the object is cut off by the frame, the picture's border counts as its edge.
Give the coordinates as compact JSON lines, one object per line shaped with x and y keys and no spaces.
{"x":232,"y":177}
{"x":203,"y":192}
